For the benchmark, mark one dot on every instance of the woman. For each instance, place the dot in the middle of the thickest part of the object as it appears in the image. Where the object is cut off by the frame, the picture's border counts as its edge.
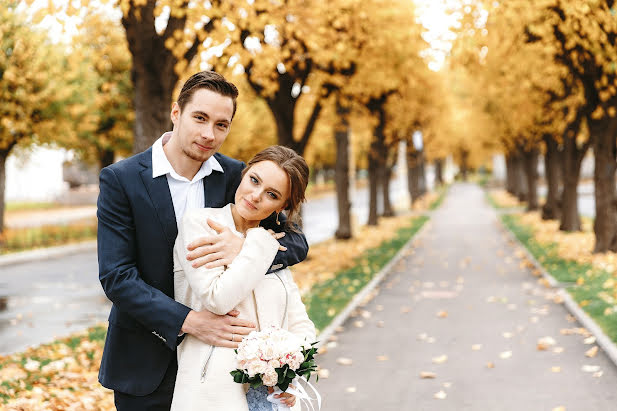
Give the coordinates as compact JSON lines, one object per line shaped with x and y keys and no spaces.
{"x":273,"y":181}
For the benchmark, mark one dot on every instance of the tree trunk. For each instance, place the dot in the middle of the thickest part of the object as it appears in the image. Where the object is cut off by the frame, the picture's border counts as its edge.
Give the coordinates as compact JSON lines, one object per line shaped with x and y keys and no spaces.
{"x":341,"y":175}
{"x":152,"y":73}
{"x":551,"y":207}
{"x":603,"y":133}
{"x":422,"y":174}
{"x":520,"y":184}
{"x":572,"y":158}
{"x":373,"y":166}
{"x":464,"y":163}
{"x":388,"y":211}
{"x":106,"y":158}
{"x":510,"y":174}
{"x":3,"y":156}
{"x":530,"y":166}
{"x":413,"y":159}
{"x":376,"y":161}
{"x":439,"y":171}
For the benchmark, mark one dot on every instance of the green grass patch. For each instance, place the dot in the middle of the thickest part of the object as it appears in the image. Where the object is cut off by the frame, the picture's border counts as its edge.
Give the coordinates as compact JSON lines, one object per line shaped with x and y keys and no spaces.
{"x":595,"y":291}
{"x":28,"y":206}
{"x":325,"y":300}
{"x":21,"y":239}
{"x":442,"y":191}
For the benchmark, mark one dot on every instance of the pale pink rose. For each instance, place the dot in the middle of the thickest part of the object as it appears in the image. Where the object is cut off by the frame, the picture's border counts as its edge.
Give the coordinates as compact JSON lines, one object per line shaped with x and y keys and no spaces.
{"x":274,"y":363}
{"x":270,"y":378}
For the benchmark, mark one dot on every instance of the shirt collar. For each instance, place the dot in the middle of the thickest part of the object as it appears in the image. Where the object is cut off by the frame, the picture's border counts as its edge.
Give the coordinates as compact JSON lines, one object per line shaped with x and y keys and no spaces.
{"x":162,"y":166}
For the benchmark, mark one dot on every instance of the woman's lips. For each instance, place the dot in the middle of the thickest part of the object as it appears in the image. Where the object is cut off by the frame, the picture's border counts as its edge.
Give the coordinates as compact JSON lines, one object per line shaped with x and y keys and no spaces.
{"x":249,"y":204}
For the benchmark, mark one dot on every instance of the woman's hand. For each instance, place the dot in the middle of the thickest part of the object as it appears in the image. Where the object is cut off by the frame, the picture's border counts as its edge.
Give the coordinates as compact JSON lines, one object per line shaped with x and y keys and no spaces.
{"x":278,"y":236}
{"x":286,"y":398}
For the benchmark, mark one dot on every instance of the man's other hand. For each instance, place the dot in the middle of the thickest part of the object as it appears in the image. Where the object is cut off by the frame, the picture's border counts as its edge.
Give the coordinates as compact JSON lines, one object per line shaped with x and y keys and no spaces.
{"x":217,"y":250}
{"x":218,"y":330}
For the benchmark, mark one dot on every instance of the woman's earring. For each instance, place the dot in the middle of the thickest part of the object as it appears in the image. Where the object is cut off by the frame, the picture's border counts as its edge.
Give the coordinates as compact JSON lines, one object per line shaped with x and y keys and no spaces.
{"x":277,"y":218}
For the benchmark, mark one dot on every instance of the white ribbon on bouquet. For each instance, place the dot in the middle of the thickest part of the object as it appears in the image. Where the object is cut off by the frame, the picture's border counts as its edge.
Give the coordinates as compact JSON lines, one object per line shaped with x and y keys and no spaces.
{"x":301,"y":395}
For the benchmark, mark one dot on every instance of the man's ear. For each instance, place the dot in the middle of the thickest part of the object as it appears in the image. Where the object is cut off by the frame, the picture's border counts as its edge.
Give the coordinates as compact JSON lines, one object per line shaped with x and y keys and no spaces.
{"x":175,"y":113}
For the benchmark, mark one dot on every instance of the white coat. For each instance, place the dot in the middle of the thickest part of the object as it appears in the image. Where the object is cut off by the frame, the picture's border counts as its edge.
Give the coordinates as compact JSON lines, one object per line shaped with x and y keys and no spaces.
{"x":203,"y":381}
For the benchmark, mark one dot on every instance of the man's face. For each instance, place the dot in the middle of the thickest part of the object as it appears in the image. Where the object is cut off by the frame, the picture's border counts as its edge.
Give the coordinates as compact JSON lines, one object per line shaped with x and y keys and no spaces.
{"x":203,"y":124}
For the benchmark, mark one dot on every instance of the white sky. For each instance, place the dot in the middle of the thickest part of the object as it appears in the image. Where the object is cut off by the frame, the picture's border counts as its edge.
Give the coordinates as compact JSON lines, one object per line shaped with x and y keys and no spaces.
{"x":434,"y":16}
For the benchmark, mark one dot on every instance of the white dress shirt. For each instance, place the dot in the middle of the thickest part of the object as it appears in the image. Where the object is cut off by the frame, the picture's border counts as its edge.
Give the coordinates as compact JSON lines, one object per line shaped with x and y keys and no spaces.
{"x":186,"y":194}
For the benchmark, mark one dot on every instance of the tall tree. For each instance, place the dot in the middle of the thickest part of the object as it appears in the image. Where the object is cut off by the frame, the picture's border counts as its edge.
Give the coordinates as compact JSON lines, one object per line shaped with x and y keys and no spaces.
{"x":32,"y":90}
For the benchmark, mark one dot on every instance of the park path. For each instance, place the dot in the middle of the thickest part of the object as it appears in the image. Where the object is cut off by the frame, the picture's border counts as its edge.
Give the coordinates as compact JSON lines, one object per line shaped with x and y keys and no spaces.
{"x":461,"y":305}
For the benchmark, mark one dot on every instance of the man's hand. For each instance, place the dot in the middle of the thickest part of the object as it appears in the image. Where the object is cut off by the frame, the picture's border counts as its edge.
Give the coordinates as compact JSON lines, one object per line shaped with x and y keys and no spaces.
{"x":218,"y":330}
{"x":278,"y":236}
{"x":217,"y":250}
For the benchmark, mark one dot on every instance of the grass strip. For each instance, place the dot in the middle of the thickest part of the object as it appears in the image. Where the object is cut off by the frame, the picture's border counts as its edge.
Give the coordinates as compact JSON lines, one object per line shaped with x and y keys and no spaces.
{"x":592,"y":288}
{"x":442,"y":191}
{"x":326,"y":299}
{"x":21,"y":239}
{"x":30,"y":206}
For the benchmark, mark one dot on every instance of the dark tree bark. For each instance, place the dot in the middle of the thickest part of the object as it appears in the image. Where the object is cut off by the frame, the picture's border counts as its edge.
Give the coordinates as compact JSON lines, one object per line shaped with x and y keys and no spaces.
{"x":422,"y":174}
{"x":439,"y":171}
{"x":572,"y":157}
{"x":604,"y":133}
{"x":510,"y":173}
{"x":106,"y":158}
{"x":3,"y":156}
{"x":377,"y":153}
{"x":520,"y":182}
{"x":464,"y":153}
{"x":341,"y":176}
{"x":373,"y":178}
{"x":388,"y":210}
{"x":413,"y":170}
{"x":552,"y":171}
{"x":530,"y":166}
{"x":152,"y":72}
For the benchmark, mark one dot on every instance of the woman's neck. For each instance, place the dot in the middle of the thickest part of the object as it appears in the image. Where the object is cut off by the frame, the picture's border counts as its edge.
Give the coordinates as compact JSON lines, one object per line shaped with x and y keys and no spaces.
{"x":241,"y":224}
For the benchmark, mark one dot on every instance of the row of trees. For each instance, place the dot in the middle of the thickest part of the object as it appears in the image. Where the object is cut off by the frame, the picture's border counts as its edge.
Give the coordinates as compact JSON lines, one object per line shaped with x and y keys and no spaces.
{"x":543,"y":77}
{"x":315,"y":76}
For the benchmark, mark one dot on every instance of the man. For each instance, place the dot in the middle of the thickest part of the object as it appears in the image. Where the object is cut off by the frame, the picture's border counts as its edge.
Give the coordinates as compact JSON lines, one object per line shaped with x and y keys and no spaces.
{"x":140,"y":202}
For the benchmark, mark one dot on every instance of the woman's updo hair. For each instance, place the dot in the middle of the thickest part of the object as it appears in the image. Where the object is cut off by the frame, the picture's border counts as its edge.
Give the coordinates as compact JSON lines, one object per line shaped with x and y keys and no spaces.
{"x":296,"y":169}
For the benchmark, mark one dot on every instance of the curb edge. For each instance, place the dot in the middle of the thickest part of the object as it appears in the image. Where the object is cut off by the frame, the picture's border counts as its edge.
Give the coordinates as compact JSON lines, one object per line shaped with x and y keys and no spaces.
{"x":337,"y":321}
{"x":607,"y":345}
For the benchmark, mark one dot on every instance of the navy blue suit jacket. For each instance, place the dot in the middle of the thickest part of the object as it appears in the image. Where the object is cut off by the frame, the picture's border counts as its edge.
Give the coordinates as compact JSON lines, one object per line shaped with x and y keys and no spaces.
{"x":137,"y":230}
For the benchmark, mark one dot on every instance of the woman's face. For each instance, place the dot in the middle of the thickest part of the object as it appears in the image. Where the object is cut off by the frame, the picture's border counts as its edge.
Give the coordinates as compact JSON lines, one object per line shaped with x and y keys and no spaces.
{"x":264,"y":189}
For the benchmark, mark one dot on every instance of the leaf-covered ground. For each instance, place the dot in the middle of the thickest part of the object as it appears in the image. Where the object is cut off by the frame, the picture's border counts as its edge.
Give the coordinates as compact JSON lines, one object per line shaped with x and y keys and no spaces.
{"x":63,"y":375}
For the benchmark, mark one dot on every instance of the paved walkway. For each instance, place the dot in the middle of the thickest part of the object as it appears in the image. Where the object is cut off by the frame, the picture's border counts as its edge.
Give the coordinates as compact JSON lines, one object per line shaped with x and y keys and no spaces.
{"x":461,"y":305}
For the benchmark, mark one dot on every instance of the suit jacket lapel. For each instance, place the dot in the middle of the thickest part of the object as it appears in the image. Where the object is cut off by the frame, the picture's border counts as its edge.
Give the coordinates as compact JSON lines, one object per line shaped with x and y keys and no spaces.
{"x":158,"y":189}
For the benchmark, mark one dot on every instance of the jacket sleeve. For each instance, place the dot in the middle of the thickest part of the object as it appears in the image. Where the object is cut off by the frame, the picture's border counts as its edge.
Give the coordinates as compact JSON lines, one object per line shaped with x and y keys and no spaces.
{"x":220,"y":289}
{"x":299,"y":322}
{"x":118,"y":273}
{"x":295,"y":241}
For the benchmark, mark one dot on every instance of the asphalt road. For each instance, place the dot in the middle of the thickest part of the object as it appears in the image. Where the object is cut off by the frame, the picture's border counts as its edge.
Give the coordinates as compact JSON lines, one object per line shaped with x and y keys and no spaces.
{"x":461,"y":306}
{"x":55,"y":297}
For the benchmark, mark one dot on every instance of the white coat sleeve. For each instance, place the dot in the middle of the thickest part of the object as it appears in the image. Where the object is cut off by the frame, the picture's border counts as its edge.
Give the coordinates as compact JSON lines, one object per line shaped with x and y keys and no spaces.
{"x":299,"y":322}
{"x":221,"y":289}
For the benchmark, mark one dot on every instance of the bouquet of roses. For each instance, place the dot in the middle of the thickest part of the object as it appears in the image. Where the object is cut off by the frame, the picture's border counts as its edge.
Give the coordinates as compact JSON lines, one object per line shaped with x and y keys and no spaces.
{"x":274,"y":357}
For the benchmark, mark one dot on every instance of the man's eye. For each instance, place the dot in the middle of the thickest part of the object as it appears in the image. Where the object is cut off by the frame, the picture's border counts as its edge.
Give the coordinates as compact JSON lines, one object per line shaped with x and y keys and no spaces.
{"x":200,"y":118}
{"x":222,"y":126}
